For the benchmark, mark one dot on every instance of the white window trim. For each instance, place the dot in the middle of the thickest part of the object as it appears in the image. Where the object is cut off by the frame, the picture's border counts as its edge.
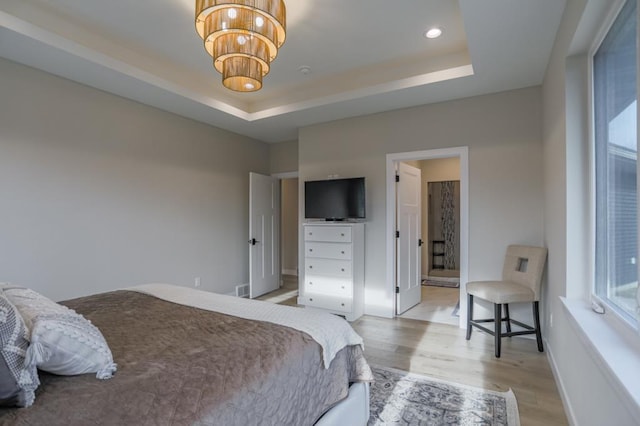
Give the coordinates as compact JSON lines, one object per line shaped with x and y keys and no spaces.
{"x":611,"y":315}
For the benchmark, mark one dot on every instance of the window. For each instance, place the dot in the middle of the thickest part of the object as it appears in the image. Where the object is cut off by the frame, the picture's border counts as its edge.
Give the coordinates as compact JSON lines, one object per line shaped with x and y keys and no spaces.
{"x":615,"y":79}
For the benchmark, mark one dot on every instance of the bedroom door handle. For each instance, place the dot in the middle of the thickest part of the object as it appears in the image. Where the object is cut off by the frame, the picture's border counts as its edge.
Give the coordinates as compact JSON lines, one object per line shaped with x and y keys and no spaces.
{"x":420,"y":242}
{"x":253,"y":241}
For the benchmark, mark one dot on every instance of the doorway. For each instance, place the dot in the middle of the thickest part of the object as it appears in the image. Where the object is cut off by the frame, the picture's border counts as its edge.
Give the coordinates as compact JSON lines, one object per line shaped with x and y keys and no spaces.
{"x":440,"y":272}
{"x":438,"y":302}
{"x":287,"y":290}
{"x":289,"y":236}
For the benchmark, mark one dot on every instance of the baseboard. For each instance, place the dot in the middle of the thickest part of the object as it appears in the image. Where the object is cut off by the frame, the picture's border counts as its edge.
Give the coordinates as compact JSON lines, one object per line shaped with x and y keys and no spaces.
{"x":290,"y":272}
{"x":379,"y":311}
{"x":571,"y":417}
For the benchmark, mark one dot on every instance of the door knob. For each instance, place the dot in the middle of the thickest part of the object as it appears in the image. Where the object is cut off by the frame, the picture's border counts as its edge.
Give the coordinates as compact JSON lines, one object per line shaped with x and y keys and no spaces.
{"x":253,"y":241}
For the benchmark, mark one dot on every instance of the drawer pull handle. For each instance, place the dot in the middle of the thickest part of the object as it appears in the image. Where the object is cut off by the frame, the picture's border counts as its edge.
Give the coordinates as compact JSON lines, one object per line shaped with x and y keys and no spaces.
{"x":341,"y":234}
{"x":342,"y":269}
{"x":342,"y":252}
{"x":343,"y":287}
{"x":310,"y":249}
{"x":342,"y":304}
{"x":310,"y":283}
{"x":310,"y":266}
{"x":310,"y":299}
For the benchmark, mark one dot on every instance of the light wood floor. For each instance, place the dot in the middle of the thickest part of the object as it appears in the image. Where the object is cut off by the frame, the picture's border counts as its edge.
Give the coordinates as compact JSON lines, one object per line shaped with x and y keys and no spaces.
{"x":440,"y":350}
{"x":437,"y":305}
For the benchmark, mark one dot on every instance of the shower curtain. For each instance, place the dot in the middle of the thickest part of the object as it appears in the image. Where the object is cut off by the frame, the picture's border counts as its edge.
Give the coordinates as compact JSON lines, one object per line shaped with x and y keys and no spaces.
{"x":448,"y":203}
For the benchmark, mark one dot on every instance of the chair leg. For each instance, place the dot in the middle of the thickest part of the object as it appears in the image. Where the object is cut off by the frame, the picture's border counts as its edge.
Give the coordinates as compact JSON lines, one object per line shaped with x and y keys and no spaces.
{"x":507,"y":317}
{"x":536,"y":319}
{"x":497,"y":310}
{"x":469,"y":314}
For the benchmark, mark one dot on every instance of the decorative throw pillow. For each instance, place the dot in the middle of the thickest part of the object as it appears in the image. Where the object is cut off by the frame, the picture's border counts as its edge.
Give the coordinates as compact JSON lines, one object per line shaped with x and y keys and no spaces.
{"x":62,"y":341}
{"x":17,"y":380}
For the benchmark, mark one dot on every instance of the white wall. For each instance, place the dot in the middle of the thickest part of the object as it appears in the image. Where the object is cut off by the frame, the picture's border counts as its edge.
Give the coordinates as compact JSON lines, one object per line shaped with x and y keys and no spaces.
{"x":590,"y":398}
{"x":503,"y":132}
{"x":99,"y":192}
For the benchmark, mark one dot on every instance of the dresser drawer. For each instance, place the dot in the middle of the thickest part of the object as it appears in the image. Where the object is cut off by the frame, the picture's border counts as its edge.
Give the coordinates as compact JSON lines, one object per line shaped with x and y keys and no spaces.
{"x":325,"y":285}
{"x":328,"y":250}
{"x":333,"y":303}
{"x":335,"y":234}
{"x":335,"y":268}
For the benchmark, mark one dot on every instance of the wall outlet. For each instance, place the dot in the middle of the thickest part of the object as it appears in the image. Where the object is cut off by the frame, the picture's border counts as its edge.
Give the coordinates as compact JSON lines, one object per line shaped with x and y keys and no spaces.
{"x":196,"y":282}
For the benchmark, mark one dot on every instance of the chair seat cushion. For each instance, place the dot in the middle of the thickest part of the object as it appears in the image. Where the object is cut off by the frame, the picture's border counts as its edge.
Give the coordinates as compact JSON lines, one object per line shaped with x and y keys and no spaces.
{"x":500,"y":291}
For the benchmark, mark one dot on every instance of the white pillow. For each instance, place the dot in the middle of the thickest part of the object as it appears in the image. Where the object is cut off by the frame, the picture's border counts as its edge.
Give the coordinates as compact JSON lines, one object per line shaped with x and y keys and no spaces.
{"x":62,"y":341}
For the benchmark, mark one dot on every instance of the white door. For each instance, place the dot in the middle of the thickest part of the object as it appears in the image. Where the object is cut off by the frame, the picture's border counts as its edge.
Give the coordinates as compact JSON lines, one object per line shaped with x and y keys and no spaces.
{"x":408,"y":242}
{"x":264,"y":232}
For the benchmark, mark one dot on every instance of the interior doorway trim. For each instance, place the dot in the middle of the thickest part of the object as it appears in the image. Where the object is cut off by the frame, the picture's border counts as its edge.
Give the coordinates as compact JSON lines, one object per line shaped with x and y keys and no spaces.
{"x":285,"y":175}
{"x":281,"y":176}
{"x":463,"y":154}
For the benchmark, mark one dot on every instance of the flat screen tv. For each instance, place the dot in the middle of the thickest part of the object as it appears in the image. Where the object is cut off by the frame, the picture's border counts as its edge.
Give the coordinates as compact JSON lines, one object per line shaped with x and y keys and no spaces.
{"x":334,"y":199}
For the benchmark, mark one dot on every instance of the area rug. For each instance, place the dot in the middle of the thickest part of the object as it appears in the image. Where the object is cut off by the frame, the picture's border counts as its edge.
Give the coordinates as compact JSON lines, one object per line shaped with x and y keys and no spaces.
{"x":402,"y":398}
{"x":437,"y":283}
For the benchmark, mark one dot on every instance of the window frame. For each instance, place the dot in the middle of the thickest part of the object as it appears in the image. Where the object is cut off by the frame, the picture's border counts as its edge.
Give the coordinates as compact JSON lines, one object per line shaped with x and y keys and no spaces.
{"x":610,"y":312}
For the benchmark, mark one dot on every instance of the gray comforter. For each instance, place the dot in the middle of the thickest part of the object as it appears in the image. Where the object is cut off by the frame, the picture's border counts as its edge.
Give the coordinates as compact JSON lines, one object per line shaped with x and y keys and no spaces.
{"x":179,"y":365}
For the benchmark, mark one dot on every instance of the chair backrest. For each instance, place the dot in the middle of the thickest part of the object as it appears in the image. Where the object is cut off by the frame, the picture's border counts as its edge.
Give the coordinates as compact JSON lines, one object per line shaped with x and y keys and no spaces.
{"x":524,"y":265}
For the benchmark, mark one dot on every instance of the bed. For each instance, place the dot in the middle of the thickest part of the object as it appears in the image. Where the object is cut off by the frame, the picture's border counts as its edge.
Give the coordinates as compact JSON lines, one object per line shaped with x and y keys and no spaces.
{"x":187,"y":357}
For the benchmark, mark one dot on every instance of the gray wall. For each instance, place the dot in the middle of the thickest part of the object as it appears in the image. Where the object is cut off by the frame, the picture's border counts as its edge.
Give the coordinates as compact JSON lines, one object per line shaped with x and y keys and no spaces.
{"x":284,"y":157}
{"x":590,"y":398}
{"x":99,"y":192}
{"x":503,"y":132}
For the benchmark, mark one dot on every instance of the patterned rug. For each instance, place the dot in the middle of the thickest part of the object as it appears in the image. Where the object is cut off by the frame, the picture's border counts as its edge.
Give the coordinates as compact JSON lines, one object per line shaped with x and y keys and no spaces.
{"x":402,"y":398}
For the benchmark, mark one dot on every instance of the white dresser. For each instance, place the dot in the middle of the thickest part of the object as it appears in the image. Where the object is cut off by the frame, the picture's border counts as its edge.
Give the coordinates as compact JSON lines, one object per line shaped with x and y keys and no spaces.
{"x":333,"y":277}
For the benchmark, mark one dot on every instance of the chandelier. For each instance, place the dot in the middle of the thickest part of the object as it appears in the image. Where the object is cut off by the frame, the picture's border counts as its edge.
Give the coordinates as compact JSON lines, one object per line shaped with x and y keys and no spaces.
{"x":243,"y":37}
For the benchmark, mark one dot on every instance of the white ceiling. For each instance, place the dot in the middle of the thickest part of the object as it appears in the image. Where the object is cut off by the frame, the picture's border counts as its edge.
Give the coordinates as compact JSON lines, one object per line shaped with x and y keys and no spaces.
{"x":365,"y":56}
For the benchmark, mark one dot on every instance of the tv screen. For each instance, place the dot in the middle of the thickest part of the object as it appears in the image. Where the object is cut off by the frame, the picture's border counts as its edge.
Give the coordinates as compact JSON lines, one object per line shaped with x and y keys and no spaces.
{"x":334,"y":199}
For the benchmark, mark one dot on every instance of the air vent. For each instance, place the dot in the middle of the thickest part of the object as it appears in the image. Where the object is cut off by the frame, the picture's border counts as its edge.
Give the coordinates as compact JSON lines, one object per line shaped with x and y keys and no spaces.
{"x":242,"y":290}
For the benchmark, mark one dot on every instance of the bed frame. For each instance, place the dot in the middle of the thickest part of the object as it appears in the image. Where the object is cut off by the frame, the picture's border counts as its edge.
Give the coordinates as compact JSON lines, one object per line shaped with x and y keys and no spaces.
{"x":354,"y":410}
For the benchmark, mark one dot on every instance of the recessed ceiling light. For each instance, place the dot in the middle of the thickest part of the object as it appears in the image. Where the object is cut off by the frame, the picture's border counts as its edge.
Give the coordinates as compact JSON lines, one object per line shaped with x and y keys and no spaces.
{"x":433,"y":33}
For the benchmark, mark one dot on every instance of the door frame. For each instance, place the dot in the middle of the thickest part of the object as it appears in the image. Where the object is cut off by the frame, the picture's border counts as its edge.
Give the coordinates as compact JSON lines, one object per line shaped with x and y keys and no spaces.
{"x":462,"y":153}
{"x":281,"y":176}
